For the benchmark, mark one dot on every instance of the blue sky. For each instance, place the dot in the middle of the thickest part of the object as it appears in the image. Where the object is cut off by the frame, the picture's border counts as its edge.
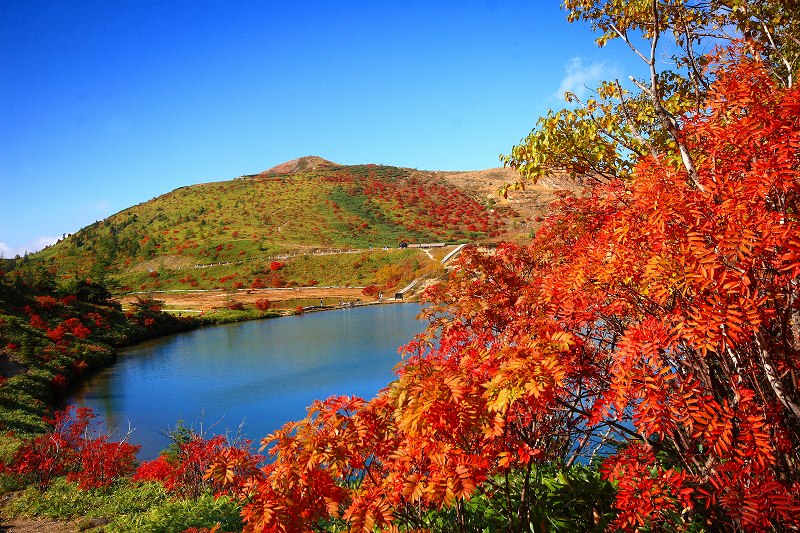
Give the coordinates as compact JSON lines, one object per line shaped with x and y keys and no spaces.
{"x":104,"y":105}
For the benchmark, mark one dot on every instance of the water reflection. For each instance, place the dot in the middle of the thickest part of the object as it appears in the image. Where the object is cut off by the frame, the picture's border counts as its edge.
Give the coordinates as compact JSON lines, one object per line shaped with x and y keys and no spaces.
{"x":264,"y":372}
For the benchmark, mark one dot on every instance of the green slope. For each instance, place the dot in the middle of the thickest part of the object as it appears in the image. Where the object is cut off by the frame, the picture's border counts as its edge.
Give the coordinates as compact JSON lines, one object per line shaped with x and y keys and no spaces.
{"x":244,"y":226}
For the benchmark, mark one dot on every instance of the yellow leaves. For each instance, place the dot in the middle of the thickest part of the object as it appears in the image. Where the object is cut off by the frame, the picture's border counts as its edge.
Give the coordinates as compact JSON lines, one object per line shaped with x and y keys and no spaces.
{"x":576,"y":140}
{"x":456,"y":387}
{"x":501,"y":396}
{"x":504,"y":459}
{"x":413,"y":487}
{"x":528,"y":372}
{"x":560,"y":341}
{"x":220,"y":471}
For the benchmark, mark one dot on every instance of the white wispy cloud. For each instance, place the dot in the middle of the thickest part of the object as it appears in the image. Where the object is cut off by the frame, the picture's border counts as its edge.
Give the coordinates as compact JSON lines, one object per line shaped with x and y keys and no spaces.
{"x":580,"y":78}
{"x":88,"y":211}
{"x":34,"y":246}
{"x":103,"y":206}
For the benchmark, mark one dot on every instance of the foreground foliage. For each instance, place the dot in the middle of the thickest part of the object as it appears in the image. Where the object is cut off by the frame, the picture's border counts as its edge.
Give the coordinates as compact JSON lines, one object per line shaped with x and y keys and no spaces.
{"x":74,"y":447}
{"x":75,"y":471}
{"x":652,"y":322}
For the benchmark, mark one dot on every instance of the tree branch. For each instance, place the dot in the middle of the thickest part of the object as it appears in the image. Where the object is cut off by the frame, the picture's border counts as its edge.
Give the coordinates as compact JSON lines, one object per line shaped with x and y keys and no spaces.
{"x":666,"y":120}
{"x":629,"y":122}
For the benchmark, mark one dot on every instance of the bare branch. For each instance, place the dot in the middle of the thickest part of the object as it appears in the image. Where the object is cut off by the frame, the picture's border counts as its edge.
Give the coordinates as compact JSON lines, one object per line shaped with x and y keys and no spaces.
{"x":629,"y":121}
{"x":624,"y":36}
{"x":785,"y":61}
{"x":655,"y":92}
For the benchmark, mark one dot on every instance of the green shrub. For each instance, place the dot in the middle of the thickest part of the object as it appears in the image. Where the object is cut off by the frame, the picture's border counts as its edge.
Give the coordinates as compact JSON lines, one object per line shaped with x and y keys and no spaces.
{"x":574,"y":499}
{"x":128,"y":507}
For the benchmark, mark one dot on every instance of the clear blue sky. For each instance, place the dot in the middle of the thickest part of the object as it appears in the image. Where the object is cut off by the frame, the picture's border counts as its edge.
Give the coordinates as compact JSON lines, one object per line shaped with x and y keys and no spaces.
{"x":106,"y":104}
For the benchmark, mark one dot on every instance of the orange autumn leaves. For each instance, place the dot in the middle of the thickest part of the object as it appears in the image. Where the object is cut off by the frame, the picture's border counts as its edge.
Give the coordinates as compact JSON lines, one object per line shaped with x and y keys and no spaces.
{"x":650,"y":311}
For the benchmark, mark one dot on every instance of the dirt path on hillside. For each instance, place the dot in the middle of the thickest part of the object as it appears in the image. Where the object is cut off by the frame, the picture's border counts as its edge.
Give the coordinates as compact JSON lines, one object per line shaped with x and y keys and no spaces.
{"x":207,"y":301}
{"x":36,"y":525}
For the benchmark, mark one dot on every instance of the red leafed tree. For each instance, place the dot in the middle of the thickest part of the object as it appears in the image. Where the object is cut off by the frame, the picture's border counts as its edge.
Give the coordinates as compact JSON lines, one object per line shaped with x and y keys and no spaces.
{"x":75,"y":448}
{"x":653,"y":322}
{"x":182,"y":467}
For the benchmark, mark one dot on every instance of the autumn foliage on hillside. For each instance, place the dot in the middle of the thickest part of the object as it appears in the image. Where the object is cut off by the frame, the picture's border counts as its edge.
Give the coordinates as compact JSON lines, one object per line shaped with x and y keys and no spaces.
{"x":652,"y":323}
{"x":51,"y":335}
{"x":426,"y":209}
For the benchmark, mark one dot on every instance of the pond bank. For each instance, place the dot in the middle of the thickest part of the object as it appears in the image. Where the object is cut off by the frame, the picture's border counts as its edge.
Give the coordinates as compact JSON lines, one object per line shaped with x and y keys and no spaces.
{"x":208,"y":300}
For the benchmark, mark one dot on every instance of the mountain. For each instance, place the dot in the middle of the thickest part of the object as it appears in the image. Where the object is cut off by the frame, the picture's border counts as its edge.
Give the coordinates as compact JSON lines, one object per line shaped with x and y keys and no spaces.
{"x":310,"y":162}
{"x":306,"y":222}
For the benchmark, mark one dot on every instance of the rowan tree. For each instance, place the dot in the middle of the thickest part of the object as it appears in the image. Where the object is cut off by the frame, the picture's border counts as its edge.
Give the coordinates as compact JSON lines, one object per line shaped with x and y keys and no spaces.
{"x":622,"y":121}
{"x":652,"y":324}
{"x":76,"y":448}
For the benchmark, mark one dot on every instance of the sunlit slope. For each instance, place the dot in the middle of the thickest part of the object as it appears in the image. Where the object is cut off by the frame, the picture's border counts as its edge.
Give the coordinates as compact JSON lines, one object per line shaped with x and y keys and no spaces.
{"x":232,"y":233}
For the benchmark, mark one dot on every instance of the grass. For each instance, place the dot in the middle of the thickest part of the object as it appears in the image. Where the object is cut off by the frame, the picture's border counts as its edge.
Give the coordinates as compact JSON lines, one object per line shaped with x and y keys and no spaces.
{"x":338,"y":269}
{"x":126,"y":506}
{"x":226,"y":316}
{"x":379,"y":232}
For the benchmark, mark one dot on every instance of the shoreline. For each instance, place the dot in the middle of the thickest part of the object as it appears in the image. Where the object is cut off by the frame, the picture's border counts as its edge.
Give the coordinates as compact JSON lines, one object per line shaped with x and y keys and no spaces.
{"x":213,"y":301}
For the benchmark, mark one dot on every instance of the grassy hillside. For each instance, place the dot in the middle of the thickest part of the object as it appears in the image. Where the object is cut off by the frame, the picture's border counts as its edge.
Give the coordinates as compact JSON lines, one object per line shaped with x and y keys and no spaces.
{"x":285,"y":227}
{"x":49,"y":337}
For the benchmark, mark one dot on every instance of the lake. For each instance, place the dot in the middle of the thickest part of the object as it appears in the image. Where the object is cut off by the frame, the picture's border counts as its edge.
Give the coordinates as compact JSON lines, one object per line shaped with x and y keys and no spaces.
{"x":262,"y":372}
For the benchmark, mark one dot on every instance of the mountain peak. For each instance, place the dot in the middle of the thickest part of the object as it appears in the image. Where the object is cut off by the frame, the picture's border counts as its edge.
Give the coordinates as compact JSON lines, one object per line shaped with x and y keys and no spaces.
{"x":309,"y":162}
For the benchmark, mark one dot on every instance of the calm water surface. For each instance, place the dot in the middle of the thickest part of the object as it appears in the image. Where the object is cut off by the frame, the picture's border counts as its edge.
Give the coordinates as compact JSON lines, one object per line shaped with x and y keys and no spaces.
{"x":263,"y":372}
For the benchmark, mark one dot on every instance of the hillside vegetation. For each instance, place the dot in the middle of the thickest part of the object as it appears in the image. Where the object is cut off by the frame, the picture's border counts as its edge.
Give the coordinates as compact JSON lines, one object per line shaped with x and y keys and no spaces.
{"x":49,"y":337}
{"x":306,"y":222}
